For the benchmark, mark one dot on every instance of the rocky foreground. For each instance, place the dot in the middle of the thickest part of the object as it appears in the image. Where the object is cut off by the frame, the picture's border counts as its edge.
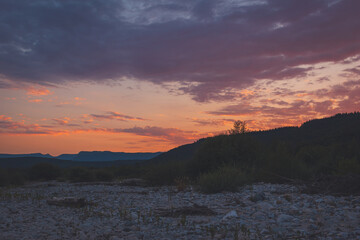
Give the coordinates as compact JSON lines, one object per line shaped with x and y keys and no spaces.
{"x":113,"y":211}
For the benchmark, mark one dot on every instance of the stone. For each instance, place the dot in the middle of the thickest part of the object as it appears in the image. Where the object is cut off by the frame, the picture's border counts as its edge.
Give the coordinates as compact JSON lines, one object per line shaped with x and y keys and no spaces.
{"x":265,"y":206}
{"x":258,"y":197}
{"x":115,"y":238}
{"x":67,"y":201}
{"x":284,"y":218}
{"x":230,"y":214}
{"x":183,"y":215}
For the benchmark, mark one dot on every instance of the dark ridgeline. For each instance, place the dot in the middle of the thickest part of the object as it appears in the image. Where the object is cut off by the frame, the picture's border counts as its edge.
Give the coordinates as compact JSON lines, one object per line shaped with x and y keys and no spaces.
{"x":320,"y":147}
{"x":94,"y":156}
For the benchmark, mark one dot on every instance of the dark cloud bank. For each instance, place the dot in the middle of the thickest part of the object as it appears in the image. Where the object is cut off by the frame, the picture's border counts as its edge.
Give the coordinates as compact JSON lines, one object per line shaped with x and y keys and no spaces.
{"x":211,"y":47}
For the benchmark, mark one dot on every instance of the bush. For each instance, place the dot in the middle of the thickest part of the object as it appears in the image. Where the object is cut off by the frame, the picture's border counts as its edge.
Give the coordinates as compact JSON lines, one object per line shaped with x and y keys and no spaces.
{"x":44,"y":171}
{"x":11,"y":177}
{"x":165,"y":173}
{"x":104,"y":175}
{"x":224,"y":179}
{"x":240,"y":150}
{"x":349,"y":166}
{"x":4,"y":178}
{"x":79,"y":174}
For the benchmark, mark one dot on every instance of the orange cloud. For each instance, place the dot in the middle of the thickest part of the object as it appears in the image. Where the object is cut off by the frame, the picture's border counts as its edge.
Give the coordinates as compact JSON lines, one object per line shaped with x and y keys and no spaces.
{"x":38,"y":91}
{"x":170,"y":135}
{"x":10,"y":98}
{"x":35,"y":100}
{"x":110,"y":115}
{"x":65,"y":122}
{"x":79,"y":98}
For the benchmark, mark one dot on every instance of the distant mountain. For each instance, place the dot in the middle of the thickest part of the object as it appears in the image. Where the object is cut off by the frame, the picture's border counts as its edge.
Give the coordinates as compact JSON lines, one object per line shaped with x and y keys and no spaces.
{"x":26,"y":162}
{"x":38,"y":155}
{"x":95,"y":156}
{"x":99,"y":156}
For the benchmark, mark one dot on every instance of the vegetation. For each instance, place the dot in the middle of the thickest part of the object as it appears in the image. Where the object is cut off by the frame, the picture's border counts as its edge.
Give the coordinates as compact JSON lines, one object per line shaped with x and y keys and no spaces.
{"x":226,"y":178}
{"x":324,"y":147}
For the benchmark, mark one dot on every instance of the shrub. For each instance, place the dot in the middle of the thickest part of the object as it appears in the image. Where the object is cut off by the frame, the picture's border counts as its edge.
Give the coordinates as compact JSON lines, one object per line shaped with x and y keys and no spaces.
{"x":349,"y":166}
{"x":239,"y":149}
{"x":11,"y":177}
{"x":104,"y":175}
{"x":44,"y":171}
{"x":182,"y":183}
{"x":224,"y":179}
{"x":165,"y":173}
{"x":4,"y":178}
{"x":79,"y":174}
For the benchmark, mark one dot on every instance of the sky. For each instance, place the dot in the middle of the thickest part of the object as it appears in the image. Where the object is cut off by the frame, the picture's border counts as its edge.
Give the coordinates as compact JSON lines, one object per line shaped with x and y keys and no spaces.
{"x":150,"y":75}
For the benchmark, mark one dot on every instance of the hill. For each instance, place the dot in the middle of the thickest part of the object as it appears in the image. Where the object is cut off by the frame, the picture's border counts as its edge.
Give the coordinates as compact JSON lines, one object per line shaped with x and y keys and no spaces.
{"x":328,"y":146}
{"x":325,"y":148}
{"x":107,"y":156}
{"x":38,"y":155}
{"x":26,"y":162}
{"x":94,"y":156}
{"x":340,"y":127}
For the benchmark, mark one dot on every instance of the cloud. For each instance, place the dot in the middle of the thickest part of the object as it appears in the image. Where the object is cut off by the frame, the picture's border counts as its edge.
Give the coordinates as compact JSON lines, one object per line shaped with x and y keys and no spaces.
{"x":65,"y":122}
{"x":35,"y":100}
{"x":171,"y":135}
{"x":9,"y":126}
{"x":216,"y":46}
{"x":38,"y":91}
{"x":212,"y":122}
{"x":110,"y":115}
{"x":270,"y":113}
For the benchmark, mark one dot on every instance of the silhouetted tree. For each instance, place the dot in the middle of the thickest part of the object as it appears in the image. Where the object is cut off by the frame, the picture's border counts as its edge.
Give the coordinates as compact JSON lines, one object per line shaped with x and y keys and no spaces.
{"x":238,"y":128}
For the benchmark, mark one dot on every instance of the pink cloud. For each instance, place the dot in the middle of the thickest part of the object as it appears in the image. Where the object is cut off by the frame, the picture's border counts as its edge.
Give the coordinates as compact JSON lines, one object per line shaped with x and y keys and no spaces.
{"x":65,"y":122}
{"x":35,"y":100}
{"x":110,"y":115}
{"x":212,"y":49}
{"x":270,"y":113}
{"x":171,"y":135}
{"x":38,"y":91}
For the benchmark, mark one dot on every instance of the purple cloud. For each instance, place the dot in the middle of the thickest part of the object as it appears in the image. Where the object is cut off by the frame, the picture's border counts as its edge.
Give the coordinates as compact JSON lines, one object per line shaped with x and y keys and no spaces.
{"x":116,"y":116}
{"x":173,"y":135}
{"x":213,"y":48}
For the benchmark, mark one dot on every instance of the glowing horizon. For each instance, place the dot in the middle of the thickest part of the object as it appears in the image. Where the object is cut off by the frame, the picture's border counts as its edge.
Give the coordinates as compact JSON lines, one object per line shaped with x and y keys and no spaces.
{"x":129,"y":76}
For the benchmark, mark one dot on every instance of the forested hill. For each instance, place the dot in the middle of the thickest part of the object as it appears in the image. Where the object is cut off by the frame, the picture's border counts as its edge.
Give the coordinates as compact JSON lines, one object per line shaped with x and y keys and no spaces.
{"x":27,"y":162}
{"x":342,"y":127}
{"x":328,"y":146}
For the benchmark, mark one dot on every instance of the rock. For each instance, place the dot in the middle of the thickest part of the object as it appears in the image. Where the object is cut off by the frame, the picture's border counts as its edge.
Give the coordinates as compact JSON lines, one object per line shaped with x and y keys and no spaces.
{"x":230,"y":214}
{"x":82,"y":236}
{"x":195,"y":210}
{"x":258,"y":197}
{"x":265,"y":206}
{"x":135,"y":182}
{"x":115,"y":238}
{"x":284,"y":218}
{"x":113,"y":211}
{"x":259,"y":216}
{"x":67,"y":201}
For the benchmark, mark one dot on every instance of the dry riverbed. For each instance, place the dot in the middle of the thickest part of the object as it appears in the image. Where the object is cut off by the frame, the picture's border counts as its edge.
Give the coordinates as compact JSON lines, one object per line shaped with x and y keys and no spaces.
{"x":114,"y":211}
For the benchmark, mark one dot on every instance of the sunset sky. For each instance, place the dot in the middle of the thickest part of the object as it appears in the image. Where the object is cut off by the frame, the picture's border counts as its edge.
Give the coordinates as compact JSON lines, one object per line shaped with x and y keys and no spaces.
{"x":150,"y":75}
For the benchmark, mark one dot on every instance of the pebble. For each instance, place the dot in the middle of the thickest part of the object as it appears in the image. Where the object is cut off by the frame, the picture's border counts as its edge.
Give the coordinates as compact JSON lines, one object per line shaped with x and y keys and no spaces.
{"x":230,"y":214}
{"x":260,"y":211}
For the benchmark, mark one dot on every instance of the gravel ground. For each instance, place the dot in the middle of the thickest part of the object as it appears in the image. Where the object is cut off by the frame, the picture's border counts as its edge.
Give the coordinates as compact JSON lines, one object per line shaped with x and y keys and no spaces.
{"x":113,"y":211}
